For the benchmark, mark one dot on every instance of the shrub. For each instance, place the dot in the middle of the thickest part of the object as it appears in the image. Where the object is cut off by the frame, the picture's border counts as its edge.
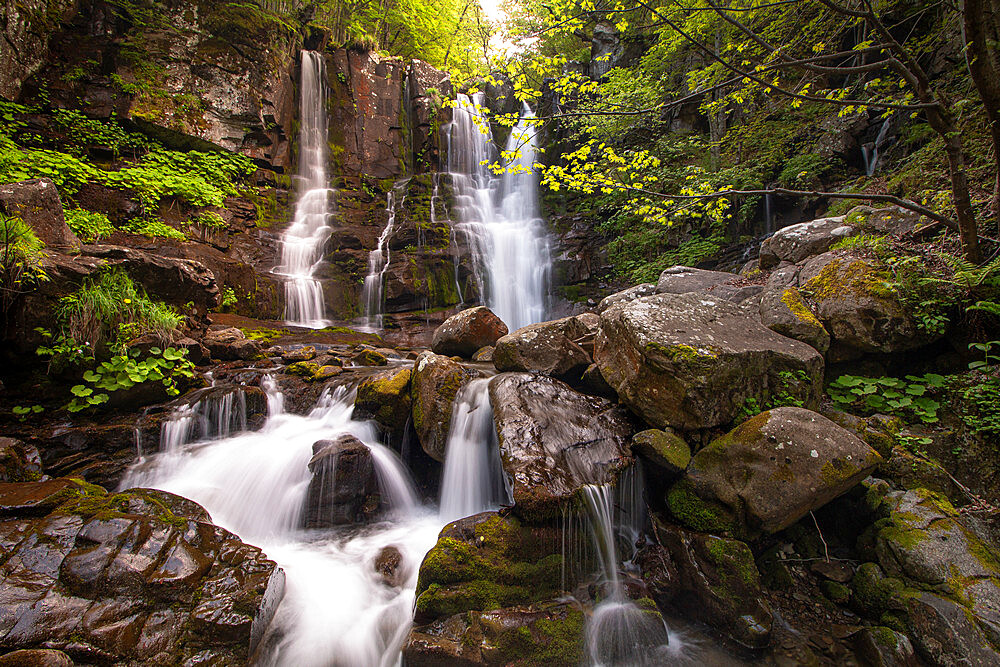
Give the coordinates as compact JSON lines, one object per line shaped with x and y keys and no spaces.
{"x":88,"y":225}
{"x":20,"y":254}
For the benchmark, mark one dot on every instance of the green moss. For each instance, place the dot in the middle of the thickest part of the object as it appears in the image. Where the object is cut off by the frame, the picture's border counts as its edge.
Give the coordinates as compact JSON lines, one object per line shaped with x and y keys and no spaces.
{"x":303,"y":369}
{"x":835,"y":472}
{"x":875,"y":592}
{"x":480,"y":594}
{"x":695,"y":512}
{"x":371,"y":358}
{"x":681,"y":353}
{"x":733,"y":558}
{"x":556,"y":641}
{"x":793,"y":301}
{"x":835,"y":591}
{"x":857,"y":277}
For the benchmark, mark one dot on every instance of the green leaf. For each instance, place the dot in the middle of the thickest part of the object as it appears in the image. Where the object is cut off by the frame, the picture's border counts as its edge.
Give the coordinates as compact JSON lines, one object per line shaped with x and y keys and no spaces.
{"x":80,"y":390}
{"x":91,"y":376}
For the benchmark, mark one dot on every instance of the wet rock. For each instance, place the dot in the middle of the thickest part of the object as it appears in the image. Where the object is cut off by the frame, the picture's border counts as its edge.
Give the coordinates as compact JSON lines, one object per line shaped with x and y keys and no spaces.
{"x":718,"y":584}
{"x":690,"y":361}
{"x":769,"y":472}
{"x":549,"y":348}
{"x":685,"y":279}
{"x":884,"y":647}
{"x":468,"y":331}
{"x":593,"y":382}
{"x":19,"y":462}
{"x":664,"y":449}
{"x":197,"y":353}
{"x":387,"y":564}
{"x":36,"y":658}
{"x":368,"y":357}
{"x":484,"y":562}
{"x":343,"y":488}
{"x":231,"y":344}
{"x":783,"y":310}
{"x":484,"y":354}
{"x":385,"y":397}
{"x":436,"y":381}
{"x":101,"y":573}
{"x":305,"y":353}
{"x":547,"y":633}
{"x":658,"y":571}
{"x":554,"y":439}
{"x":946,"y":634}
{"x":630,"y":294}
{"x":37,"y":203}
{"x":796,"y":243}
{"x":862,"y":315}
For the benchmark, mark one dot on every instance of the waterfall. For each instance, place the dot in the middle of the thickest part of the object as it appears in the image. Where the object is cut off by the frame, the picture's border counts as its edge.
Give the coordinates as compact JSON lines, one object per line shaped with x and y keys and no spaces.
{"x":302,"y":243}
{"x":337,"y":609}
{"x":378,"y":261}
{"x":871,"y":157}
{"x":499,"y":216}
{"x":768,"y":222}
{"x":473,"y":479}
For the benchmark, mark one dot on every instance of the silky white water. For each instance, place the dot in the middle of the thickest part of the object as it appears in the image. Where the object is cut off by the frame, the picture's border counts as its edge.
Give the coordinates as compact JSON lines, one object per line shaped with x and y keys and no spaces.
{"x":499,"y":216}
{"x":473,"y":479}
{"x":303,"y":242}
{"x":378,"y":262}
{"x":337,"y":610}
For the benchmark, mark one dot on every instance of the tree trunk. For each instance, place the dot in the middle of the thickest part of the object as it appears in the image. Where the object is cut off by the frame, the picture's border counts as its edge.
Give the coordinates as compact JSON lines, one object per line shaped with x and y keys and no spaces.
{"x":982,"y":36}
{"x":967,"y":227}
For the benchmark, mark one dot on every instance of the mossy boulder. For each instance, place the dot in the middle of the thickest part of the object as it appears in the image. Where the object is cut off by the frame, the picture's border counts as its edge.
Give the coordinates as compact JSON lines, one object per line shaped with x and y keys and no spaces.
{"x":546,"y":633}
{"x":138,"y":577}
{"x":369,"y":357}
{"x":468,"y":331}
{"x":549,"y":348}
{"x":664,"y":449}
{"x":435,"y":383}
{"x":796,"y":243}
{"x":851,"y":297}
{"x":783,"y":310}
{"x":483,"y":562}
{"x":691,"y":361}
{"x":717,"y":583}
{"x":19,"y":462}
{"x":769,"y":472}
{"x":385,"y":397}
{"x":554,"y":440}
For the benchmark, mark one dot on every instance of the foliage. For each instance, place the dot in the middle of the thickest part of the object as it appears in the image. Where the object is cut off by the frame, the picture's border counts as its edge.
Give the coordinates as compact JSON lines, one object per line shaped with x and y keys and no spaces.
{"x":911,"y":397}
{"x":989,"y":358}
{"x":20,"y":257}
{"x":124,"y":371}
{"x":874,"y":244}
{"x":89,"y":226}
{"x":229,"y":297}
{"x":63,"y":352}
{"x":979,"y":407}
{"x":113,"y":310}
{"x":782,"y":397}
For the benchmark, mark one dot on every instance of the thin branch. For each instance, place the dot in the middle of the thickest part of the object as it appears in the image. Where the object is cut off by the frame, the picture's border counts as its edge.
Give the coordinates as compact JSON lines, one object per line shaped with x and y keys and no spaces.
{"x":826,"y":550}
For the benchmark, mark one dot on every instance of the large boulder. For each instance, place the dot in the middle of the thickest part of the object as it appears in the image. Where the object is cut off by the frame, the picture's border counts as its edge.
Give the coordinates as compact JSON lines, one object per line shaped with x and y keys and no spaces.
{"x":435,"y":382}
{"x":717,"y":583}
{"x":549,"y":348}
{"x":684,"y":279}
{"x":343,"y":487}
{"x":464,"y":333}
{"x":769,"y":472}
{"x":385,"y":397}
{"x":783,"y":310}
{"x":37,"y":202}
{"x":854,"y":303}
{"x":139,"y":577}
{"x":231,"y":344}
{"x":630,"y":294}
{"x":690,"y":361}
{"x":806,"y":239}
{"x":553,"y":440}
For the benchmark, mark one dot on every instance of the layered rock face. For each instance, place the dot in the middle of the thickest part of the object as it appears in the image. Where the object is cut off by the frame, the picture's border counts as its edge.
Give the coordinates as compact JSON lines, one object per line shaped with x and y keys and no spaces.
{"x":135,"y":577}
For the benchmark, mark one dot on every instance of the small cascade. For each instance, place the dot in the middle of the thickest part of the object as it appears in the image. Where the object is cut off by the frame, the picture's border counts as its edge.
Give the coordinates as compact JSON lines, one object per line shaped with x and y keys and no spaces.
{"x":212,"y":413}
{"x":871,"y":155}
{"x":500,"y":216}
{"x":768,"y":220}
{"x":619,"y":632}
{"x":302,"y":243}
{"x":473,"y":479}
{"x":378,"y":261}
{"x":337,"y":608}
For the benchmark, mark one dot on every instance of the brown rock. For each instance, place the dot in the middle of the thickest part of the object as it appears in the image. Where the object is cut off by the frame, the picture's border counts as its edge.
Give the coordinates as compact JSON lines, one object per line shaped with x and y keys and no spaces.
{"x":468,"y":331}
{"x":343,"y":488}
{"x":37,"y":202}
{"x":435,"y":383}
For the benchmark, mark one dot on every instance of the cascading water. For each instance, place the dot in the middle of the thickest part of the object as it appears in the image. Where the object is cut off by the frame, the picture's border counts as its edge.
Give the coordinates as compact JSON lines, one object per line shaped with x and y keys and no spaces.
{"x":337,"y":610}
{"x":473,"y":479}
{"x":499,"y":216}
{"x":871,"y":156}
{"x":378,"y":261}
{"x":302,"y":243}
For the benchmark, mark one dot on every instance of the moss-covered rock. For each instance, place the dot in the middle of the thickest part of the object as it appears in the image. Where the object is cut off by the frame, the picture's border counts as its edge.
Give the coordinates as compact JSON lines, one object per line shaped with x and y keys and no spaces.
{"x":435,"y":384}
{"x":783,"y":310}
{"x":664,"y":449}
{"x":19,"y":462}
{"x":385,"y":397}
{"x":770,"y":471}
{"x":369,"y":357}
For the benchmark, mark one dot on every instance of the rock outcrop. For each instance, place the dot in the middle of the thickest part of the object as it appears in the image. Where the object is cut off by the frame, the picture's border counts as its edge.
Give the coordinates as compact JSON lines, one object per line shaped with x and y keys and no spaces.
{"x":385,"y":397}
{"x":796,"y":243}
{"x":553,"y":440}
{"x":37,"y":203}
{"x":435,"y":382}
{"x":769,"y":472}
{"x":691,"y":362}
{"x":136,"y":577}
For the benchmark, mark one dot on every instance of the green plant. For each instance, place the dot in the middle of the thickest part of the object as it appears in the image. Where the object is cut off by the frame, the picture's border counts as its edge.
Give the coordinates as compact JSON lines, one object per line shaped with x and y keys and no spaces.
{"x":63,"y":352}
{"x":979,"y":407}
{"x":909,"y":397}
{"x":22,"y":411}
{"x":124,"y":371}
{"x":873,"y":243}
{"x":209,"y":219}
{"x":229,"y":297}
{"x":783,"y":395}
{"x":89,"y":226}
{"x":114,"y":310}
{"x":20,"y":260}
{"x":988,"y":358}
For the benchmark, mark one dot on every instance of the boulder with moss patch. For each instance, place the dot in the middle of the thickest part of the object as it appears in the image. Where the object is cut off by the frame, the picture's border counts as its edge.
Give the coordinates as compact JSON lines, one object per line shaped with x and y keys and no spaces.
{"x":468,"y":331}
{"x":783,"y":310}
{"x":769,"y":472}
{"x":19,"y":462}
{"x":553,"y":440}
{"x":549,"y":348}
{"x":664,"y":449}
{"x":385,"y":397}
{"x":435,"y":383}
{"x":139,"y":577}
{"x":863,"y":314}
{"x":796,"y":243}
{"x":691,"y":362}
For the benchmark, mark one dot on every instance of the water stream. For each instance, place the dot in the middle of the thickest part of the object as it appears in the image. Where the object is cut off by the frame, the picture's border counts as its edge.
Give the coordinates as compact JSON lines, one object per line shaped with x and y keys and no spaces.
{"x":499,"y":215}
{"x":378,"y":262}
{"x":303,"y":242}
